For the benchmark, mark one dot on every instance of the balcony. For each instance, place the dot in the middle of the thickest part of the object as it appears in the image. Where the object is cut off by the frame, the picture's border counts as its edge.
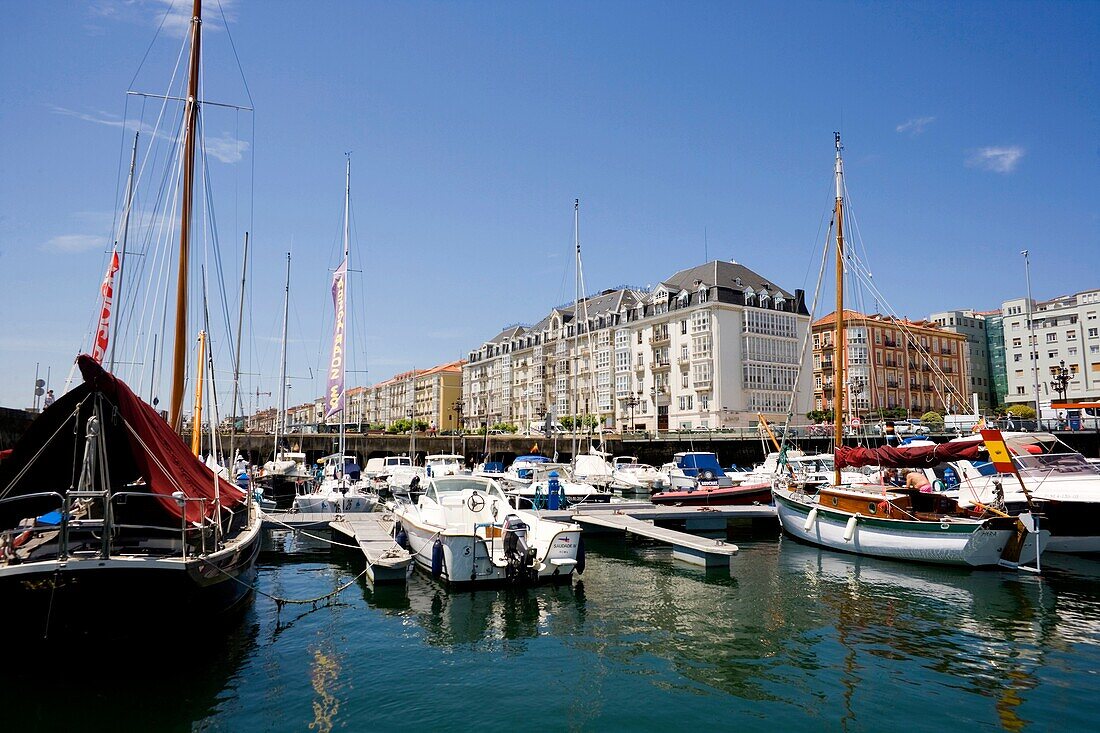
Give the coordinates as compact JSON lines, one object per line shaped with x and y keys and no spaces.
{"x":701,"y":385}
{"x":659,"y":338}
{"x":660,"y":366}
{"x":683,"y":361}
{"x":891,"y":343}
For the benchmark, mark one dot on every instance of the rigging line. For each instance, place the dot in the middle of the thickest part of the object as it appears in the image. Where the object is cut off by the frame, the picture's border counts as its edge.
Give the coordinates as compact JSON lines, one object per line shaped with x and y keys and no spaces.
{"x":809,"y":328}
{"x":163,"y":18}
{"x":233,"y":45}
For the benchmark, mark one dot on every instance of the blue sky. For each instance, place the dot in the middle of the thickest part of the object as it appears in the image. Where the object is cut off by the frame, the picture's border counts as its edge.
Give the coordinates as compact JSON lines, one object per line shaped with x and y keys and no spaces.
{"x":972,"y":131}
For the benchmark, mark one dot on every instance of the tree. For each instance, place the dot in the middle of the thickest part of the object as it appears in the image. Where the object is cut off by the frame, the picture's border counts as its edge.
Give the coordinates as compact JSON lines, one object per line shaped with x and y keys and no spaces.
{"x":820,"y":415}
{"x":932,"y":419}
{"x":1022,"y":412}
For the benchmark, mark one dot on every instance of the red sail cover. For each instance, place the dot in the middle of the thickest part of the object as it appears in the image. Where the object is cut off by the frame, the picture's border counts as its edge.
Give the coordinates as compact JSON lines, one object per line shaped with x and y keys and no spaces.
{"x":160,"y":455}
{"x":919,"y":456}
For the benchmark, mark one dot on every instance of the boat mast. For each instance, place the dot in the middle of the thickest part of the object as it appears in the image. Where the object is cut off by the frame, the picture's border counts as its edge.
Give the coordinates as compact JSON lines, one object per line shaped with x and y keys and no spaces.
{"x":282,"y":363}
{"x":576,"y":324}
{"x":122,"y":255}
{"x":196,"y":417}
{"x":237,"y":353}
{"x":191,"y":109}
{"x":344,"y":360}
{"x":839,"y":349}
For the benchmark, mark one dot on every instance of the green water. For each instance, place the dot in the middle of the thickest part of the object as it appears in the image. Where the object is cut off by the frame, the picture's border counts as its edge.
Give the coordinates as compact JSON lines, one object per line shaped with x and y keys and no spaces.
{"x":790,"y":638}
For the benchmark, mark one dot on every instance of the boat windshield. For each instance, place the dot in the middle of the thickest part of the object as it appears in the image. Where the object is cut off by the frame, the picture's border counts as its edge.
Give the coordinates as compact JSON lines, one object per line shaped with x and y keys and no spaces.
{"x":458,"y":484}
{"x":399,"y":461}
{"x":1061,"y":464}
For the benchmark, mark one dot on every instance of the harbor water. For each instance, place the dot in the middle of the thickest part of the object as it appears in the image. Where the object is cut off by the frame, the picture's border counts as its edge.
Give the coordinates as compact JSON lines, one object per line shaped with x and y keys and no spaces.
{"x":791,"y":637}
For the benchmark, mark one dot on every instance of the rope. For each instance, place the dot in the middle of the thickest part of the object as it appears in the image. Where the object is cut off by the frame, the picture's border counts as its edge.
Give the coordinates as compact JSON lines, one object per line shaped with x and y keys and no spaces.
{"x":297,"y":531}
{"x":38,"y":453}
{"x":280,"y":602}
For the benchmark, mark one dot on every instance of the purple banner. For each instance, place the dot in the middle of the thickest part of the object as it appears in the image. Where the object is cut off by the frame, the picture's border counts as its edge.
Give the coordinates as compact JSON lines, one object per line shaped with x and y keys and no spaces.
{"x":334,"y":397}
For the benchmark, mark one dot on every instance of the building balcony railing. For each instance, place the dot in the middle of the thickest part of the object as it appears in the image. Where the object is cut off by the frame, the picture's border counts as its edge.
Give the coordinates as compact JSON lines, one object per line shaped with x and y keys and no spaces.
{"x":701,"y":384}
{"x":659,"y":366}
{"x":892,"y":383}
{"x":892,"y":343}
{"x":683,"y":361}
{"x":659,"y":339}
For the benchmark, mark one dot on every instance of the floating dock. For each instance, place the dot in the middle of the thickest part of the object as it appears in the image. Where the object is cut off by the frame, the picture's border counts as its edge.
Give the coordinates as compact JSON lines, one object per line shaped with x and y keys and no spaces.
{"x":387,"y":563}
{"x":372,"y":532}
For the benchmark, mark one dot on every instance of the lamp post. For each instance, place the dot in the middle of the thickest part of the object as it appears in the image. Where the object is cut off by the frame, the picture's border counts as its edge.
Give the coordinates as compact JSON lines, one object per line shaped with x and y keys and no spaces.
{"x":1061,"y":378}
{"x":633,"y":401}
{"x":1032,"y":342}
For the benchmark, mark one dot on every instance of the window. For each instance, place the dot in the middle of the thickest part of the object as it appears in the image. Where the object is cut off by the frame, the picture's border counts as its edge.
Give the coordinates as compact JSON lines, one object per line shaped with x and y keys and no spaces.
{"x":704,"y":402}
{"x":1071,"y":335}
{"x":1093,"y":333}
{"x":684,"y":380}
{"x":1016,"y":343}
{"x":1017,"y":357}
{"x":1052,"y":338}
{"x":683,"y":327}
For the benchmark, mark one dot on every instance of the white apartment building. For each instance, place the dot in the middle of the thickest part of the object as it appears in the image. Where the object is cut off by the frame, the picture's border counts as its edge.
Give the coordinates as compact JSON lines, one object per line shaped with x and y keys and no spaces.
{"x":709,"y":347}
{"x":1065,"y":329}
{"x":971,"y":324}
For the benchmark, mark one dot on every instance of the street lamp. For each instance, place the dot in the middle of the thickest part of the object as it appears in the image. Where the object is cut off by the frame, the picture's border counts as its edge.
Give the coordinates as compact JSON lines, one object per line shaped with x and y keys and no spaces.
{"x":1061,"y":378}
{"x":633,"y":401}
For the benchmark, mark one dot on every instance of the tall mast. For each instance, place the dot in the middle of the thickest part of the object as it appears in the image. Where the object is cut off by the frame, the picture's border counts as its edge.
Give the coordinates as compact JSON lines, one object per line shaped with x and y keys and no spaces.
{"x":839,"y":350}
{"x":344,"y":360}
{"x":191,"y":110}
{"x":237,"y":353}
{"x":282,"y":362}
{"x":122,"y":255}
{"x":576,"y":323}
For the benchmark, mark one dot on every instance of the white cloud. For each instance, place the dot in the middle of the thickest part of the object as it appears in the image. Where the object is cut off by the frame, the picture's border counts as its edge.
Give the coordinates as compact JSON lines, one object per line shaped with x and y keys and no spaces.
{"x":73,"y":243}
{"x":916,"y":125}
{"x":996,"y":159}
{"x":226,"y":148}
{"x":98,"y":117}
{"x":175,"y":14}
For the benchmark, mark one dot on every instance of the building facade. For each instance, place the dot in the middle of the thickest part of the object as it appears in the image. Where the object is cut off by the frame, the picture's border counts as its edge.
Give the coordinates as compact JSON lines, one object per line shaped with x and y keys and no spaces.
{"x":972,"y":324}
{"x":1063,"y":329}
{"x":891,"y":364}
{"x":709,"y":347}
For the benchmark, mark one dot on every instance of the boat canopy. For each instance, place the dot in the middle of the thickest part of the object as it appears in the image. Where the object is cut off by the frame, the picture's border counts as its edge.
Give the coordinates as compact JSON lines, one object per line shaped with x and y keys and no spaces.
{"x":691,"y":463}
{"x":923,"y":456}
{"x":142,"y":453}
{"x":532,"y":459}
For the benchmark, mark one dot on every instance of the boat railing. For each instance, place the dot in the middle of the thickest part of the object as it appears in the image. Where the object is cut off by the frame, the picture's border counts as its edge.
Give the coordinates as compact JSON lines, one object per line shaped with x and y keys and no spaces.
{"x":22,"y":534}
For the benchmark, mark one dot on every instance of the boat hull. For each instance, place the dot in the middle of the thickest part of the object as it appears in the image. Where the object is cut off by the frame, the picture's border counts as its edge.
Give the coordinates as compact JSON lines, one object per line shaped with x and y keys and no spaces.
{"x":333,"y":502}
{"x":467,"y":560}
{"x":950,"y":543}
{"x":728,"y":496}
{"x":127,"y":597}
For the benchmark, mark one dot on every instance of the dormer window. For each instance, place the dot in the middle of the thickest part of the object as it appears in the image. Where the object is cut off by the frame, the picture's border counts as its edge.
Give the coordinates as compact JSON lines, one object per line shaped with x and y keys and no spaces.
{"x":780,"y":301}
{"x":750,"y":296}
{"x":765,"y":297}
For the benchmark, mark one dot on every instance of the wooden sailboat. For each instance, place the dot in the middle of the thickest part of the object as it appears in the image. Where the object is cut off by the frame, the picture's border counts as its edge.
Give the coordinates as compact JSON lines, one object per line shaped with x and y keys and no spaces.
{"x":889,"y":522}
{"x":108,"y":523}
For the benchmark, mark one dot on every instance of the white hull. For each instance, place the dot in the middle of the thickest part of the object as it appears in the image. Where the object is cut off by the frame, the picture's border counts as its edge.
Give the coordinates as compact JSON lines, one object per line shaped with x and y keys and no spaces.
{"x":946,"y":543}
{"x":332,"y":501}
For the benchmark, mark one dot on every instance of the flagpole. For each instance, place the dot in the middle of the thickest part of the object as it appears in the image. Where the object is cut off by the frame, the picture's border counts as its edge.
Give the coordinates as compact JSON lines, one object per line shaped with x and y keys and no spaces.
{"x":125,"y":236}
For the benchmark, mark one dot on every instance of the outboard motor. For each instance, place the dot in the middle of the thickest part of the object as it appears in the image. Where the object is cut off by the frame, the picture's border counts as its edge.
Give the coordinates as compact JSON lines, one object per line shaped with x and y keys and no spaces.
{"x":520,"y":556}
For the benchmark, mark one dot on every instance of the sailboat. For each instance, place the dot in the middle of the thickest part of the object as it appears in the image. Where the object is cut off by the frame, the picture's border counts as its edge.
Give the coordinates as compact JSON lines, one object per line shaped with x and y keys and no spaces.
{"x":895,"y":523}
{"x":286,"y":474}
{"x":108,"y":523}
{"x":343,"y":487}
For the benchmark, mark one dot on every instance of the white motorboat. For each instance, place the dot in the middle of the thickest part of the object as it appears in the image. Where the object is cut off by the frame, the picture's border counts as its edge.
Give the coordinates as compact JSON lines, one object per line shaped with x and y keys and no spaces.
{"x":809,"y":471}
{"x":629,"y":475}
{"x":693,"y":470}
{"x":402,"y":474}
{"x":522,"y":471}
{"x":572,"y":491}
{"x":343,"y":489}
{"x":444,"y":464}
{"x":463,"y":531}
{"x":593,"y":468}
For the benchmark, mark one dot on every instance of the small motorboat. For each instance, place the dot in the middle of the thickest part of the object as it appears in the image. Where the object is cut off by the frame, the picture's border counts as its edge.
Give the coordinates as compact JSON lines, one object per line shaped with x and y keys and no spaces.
{"x":463,"y":531}
{"x":629,"y":475}
{"x":742,"y":495}
{"x":343,"y":489}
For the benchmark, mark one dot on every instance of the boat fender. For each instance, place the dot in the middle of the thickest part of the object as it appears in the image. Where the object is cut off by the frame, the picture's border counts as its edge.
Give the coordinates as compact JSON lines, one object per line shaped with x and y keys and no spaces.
{"x":850,"y":528}
{"x":884,"y":508}
{"x":810,"y":519}
{"x":437,"y":559}
{"x":402,"y":539}
{"x":580,"y":555}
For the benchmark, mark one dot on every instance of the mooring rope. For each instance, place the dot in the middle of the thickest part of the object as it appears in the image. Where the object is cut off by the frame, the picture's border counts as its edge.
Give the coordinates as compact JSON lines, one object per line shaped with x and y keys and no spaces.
{"x":298,"y":530}
{"x":279,"y":601}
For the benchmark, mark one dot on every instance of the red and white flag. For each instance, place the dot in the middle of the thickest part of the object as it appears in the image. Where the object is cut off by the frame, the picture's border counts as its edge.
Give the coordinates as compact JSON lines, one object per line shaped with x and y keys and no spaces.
{"x":107,"y":291}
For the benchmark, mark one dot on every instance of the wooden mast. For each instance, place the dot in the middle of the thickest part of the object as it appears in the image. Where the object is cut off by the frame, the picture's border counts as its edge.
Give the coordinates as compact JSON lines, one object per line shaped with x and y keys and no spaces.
{"x":190,"y":118}
{"x":839,"y":350}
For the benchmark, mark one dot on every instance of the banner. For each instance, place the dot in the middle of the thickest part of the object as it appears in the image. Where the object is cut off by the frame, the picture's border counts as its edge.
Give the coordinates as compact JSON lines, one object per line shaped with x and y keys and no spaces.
{"x":334,"y":396}
{"x":107,"y":291}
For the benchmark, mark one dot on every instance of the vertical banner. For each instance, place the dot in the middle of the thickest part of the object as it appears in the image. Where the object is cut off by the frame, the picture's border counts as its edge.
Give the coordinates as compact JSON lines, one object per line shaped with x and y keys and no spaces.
{"x":107,"y":293}
{"x":999,"y":454}
{"x":334,"y":396}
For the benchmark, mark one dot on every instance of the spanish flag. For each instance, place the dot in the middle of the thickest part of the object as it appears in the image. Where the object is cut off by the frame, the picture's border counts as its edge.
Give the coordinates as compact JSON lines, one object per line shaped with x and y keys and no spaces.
{"x":980,"y":426}
{"x":998,"y":451}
